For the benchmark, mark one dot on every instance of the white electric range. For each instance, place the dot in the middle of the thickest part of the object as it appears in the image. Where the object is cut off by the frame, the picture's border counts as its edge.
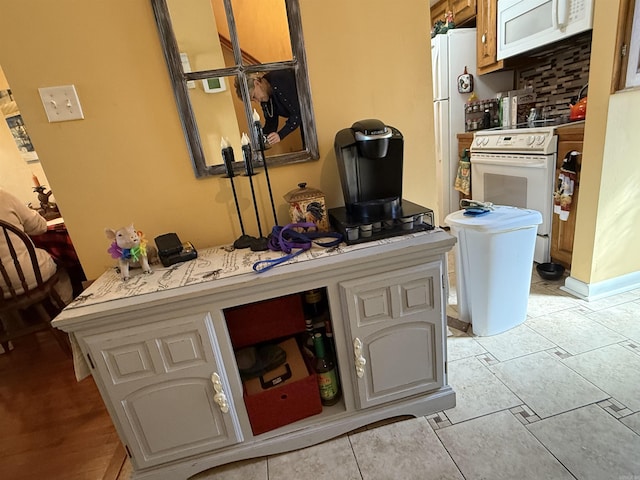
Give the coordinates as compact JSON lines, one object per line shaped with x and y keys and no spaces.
{"x":517,"y":167}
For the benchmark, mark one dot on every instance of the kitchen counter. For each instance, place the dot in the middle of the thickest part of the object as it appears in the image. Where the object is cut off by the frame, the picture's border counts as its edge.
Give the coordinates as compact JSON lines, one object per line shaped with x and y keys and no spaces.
{"x":569,"y":130}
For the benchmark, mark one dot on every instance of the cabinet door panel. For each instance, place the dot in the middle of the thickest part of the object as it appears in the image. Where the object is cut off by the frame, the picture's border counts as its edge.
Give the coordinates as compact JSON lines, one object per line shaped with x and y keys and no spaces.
{"x":397,"y":317}
{"x":129,"y":362}
{"x":416,"y":296}
{"x":463,"y":10}
{"x":374,"y":306}
{"x":158,"y":379}
{"x":181,"y":350}
{"x":487,"y":37}
{"x":401,"y":358}
{"x":185,"y":408}
{"x":439,"y":10}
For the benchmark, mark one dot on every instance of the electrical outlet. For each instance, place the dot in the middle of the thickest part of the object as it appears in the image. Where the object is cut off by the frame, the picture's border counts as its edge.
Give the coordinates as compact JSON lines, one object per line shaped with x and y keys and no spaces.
{"x":61,"y":103}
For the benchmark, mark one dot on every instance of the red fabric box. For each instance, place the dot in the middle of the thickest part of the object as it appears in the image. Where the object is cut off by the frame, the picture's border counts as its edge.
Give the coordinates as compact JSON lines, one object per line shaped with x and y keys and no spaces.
{"x":290,"y":401}
{"x":267,"y":320}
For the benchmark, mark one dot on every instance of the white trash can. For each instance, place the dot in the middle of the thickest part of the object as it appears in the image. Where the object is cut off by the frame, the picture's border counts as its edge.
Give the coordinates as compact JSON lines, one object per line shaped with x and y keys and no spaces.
{"x":494,"y":260}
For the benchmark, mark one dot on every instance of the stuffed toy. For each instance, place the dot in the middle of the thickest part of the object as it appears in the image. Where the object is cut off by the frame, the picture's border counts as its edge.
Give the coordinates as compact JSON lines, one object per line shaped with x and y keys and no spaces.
{"x":130,"y":248}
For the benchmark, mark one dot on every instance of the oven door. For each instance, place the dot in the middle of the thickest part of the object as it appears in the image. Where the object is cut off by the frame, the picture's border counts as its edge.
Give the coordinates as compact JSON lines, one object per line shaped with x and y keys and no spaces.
{"x":524,"y":181}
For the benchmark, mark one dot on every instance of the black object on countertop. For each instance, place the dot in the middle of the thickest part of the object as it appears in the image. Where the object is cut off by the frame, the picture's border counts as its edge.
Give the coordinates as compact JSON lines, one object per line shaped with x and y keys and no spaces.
{"x":392,"y":226}
{"x":172,"y":250}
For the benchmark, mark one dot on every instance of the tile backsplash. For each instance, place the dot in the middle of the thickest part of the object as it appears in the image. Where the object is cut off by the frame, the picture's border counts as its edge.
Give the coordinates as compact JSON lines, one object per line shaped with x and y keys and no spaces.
{"x":557,"y":74}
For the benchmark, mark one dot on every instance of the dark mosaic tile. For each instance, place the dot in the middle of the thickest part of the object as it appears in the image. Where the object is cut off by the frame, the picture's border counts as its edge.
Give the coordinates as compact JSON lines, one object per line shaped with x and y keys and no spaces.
{"x":524,"y":414}
{"x":559,"y":353}
{"x":615,"y":408}
{"x":438,"y":420}
{"x":631,"y":345}
{"x":487,"y":359}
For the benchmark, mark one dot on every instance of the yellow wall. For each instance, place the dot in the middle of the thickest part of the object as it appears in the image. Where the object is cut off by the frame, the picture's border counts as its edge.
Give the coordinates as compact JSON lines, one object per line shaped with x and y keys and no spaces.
{"x":127,"y":160}
{"x":15,"y":173}
{"x":607,"y":233}
{"x":370,"y":59}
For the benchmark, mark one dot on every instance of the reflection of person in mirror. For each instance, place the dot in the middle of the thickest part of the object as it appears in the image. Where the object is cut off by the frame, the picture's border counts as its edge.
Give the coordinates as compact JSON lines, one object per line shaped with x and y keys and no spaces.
{"x":277,"y":94}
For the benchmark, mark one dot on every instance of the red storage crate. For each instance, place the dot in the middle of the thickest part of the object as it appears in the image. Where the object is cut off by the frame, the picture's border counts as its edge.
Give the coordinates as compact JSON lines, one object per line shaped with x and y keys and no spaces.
{"x":294,"y":399}
{"x":267,"y":320}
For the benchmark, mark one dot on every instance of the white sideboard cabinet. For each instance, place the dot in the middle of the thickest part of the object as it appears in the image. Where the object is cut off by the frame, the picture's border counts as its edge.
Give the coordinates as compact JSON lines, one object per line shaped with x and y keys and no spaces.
{"x":159,"y":348}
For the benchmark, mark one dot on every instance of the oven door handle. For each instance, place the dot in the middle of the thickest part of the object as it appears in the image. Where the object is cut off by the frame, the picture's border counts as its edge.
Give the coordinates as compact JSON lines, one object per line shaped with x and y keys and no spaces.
{"x":522,"y":161}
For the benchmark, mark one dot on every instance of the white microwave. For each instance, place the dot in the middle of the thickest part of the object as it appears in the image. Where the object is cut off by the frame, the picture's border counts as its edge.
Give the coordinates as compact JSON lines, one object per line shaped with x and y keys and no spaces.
{"x":527,"y":24}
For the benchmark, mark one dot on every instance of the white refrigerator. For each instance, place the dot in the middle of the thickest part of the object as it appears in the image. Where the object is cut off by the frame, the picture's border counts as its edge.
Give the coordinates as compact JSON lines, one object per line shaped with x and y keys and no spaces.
{"x":450,"y":54}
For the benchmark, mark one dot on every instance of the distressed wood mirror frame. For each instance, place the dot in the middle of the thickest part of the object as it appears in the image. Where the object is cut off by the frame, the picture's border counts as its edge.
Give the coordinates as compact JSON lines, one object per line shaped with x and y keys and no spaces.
{"x":241,"y":69}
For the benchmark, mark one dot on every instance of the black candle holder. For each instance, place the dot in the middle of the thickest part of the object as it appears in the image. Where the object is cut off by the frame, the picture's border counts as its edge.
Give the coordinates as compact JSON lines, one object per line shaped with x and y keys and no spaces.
{"x":244,"y":240}
{"x":259,"y":244}
{"x":261,"y":139}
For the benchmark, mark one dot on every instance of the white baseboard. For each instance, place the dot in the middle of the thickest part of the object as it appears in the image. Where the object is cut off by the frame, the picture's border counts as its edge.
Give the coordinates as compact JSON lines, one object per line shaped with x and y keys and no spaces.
{"x":606,"y":288}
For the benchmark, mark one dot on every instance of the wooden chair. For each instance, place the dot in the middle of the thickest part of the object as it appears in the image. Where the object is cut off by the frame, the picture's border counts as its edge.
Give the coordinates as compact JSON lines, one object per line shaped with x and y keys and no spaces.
{"x":32,"y":309}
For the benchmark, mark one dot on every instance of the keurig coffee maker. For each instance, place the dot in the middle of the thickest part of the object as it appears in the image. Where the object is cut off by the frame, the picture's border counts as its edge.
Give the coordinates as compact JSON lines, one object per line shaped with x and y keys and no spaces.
{"x":370,"y":156}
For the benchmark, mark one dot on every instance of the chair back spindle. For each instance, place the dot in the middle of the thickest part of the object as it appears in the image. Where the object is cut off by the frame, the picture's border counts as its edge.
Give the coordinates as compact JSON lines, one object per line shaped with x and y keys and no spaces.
{"x":17,"y":298}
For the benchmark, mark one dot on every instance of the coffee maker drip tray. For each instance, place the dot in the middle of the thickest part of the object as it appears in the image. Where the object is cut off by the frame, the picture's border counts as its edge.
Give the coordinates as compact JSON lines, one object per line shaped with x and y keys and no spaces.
{"x":410,"y":218}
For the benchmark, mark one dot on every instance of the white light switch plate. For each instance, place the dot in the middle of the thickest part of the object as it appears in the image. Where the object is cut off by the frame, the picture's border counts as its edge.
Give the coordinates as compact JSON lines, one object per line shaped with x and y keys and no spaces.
{"x":61,"y":103}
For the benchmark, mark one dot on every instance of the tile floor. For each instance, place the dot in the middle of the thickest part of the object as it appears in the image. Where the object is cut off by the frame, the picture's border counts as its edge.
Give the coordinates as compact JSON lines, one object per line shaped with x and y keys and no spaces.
{"x":557,"y":397}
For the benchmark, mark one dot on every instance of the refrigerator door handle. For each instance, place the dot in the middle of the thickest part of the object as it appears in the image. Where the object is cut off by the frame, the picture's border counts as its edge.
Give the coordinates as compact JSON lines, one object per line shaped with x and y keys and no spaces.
{"x":435,"y":69}
{"x":437,"y":127}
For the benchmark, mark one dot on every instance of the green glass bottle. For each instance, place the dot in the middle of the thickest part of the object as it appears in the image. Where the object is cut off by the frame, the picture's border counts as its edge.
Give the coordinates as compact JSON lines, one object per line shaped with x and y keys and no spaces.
{"x":308,"y":342}
{"x":326,"y":373}
{"x":314,"y":303}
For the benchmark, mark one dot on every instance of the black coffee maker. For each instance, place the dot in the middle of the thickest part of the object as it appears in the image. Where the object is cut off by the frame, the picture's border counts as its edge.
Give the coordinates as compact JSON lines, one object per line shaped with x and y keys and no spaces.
{"x":370,"y":158}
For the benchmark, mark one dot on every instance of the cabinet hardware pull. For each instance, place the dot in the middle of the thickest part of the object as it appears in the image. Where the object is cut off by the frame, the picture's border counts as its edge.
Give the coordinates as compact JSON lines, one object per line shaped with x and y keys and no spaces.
{"x":220,"y":398}
{"x":360,"y":361}
{"x":484,"y":38}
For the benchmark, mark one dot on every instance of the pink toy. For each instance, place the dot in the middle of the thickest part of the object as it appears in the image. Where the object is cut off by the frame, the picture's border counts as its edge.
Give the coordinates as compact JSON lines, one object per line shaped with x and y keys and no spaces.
{"x":130,"y":248}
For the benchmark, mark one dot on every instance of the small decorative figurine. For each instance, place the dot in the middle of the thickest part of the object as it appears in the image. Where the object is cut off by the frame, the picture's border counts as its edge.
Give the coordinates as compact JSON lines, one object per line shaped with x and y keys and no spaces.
{"x":48,"y":210}
{"x":441,"y":27}
{"x":130,"y":248}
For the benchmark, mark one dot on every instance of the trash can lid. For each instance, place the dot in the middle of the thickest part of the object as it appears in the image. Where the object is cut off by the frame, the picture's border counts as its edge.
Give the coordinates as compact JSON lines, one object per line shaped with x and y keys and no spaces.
{"x":499,"y":219}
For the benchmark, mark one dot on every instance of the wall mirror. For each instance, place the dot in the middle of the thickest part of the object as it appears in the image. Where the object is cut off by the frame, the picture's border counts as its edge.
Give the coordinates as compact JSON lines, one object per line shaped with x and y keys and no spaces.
{"x":212,"y":46}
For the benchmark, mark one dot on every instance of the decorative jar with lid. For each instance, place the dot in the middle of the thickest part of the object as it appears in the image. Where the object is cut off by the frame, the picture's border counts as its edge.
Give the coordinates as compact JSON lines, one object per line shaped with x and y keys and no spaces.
{"x":307,"y":204}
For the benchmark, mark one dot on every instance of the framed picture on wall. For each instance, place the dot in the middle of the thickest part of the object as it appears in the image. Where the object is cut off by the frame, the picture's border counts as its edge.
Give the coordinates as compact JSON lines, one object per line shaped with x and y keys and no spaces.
{"x":214,"y":85}
{"x":16,"y":126}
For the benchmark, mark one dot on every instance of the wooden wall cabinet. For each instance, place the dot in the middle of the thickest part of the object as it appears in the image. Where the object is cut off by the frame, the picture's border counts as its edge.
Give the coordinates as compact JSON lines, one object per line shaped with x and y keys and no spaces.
{"x":463,"y":10}
{"x":439,"y":10}
{"x":563,"y":232}
{"x":165,"y":365}
{"x":486,"y":25}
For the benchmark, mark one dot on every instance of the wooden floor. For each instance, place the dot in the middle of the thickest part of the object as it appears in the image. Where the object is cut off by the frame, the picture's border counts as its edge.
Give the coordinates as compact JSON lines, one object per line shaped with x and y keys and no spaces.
{"x":52,"y":427}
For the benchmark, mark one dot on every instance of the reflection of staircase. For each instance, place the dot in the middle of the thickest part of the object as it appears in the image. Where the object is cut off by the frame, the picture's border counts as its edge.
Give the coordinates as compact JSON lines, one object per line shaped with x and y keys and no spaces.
{"x":247,"y":59}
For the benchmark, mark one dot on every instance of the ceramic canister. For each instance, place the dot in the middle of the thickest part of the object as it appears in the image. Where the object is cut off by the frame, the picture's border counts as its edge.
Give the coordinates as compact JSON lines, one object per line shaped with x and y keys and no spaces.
{"x":307,"y":204}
